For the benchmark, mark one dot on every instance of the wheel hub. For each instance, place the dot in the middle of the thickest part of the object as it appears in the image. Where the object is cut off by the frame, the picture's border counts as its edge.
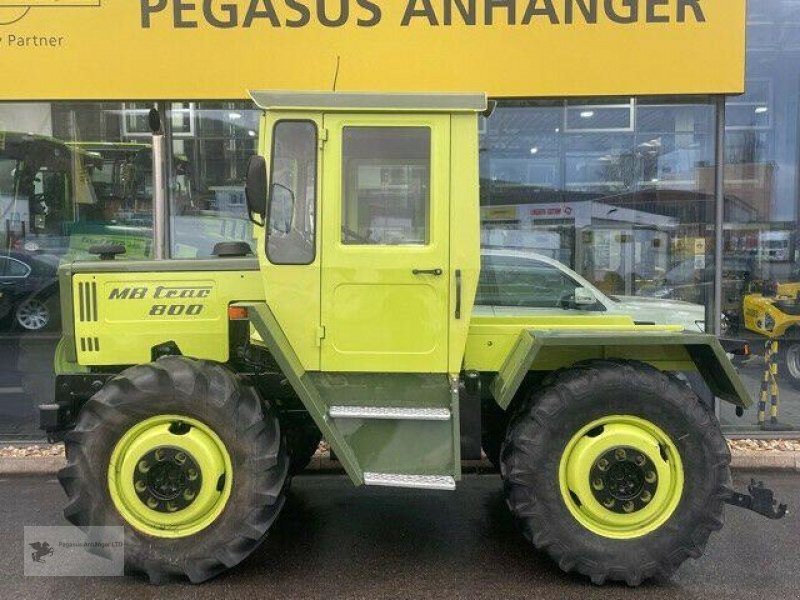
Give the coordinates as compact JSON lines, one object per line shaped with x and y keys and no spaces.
{"x":624,"y":480}
{"x":621,"y":476}
{"x":170,"y":476}
{"x":167,"y":479}
{"x":33,"y":315}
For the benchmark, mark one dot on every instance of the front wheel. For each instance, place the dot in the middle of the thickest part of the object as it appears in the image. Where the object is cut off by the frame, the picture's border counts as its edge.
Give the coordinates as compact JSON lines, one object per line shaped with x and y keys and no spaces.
{"x":183,"y":456}
{"x":616,"y":470}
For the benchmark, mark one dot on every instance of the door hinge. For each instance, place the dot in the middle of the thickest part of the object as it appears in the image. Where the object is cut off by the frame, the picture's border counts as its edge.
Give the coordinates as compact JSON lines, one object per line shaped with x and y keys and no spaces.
{"x":320,"y":335}
{"x":323,"y":137}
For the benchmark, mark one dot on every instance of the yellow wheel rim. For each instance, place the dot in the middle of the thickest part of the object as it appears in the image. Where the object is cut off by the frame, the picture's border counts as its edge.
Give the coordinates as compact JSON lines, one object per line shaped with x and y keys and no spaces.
{"x":621,"y":477}
{"x":170,"y":476}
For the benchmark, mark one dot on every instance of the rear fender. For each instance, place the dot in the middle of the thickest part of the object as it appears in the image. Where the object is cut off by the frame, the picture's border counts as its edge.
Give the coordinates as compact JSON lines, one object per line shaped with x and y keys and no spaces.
{"x":667,"y":350}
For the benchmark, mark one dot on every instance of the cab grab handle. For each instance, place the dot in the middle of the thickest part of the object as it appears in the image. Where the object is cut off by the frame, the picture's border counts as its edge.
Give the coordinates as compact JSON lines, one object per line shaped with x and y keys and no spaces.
{"x":436,"y":272}
{"x":458,"y":294}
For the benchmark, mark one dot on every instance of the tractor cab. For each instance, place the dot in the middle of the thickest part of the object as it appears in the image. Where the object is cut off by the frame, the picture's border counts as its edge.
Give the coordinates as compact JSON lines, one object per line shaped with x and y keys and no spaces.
{"x":369,"y":226}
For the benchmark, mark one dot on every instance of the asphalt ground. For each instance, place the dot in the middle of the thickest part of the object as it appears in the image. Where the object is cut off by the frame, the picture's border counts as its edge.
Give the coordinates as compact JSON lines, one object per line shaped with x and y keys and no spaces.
{"x":335,"y":541}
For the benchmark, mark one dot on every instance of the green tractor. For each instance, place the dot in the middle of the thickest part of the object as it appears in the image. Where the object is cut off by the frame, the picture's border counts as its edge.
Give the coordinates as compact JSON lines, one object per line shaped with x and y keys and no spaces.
{"x":190,"y":391}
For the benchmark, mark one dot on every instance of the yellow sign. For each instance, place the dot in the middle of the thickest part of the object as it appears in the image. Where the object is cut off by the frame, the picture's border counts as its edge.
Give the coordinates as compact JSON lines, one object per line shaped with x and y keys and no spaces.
{"x":218,"y":49}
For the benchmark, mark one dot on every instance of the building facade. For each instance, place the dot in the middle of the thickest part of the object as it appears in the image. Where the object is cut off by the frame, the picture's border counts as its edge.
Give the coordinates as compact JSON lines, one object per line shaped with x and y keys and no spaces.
{"x":621,"y":190}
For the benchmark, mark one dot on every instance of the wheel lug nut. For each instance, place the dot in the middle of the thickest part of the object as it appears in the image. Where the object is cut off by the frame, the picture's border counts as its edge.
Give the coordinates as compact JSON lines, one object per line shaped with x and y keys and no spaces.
{"x":180,"y":458}
{"x":602,"y":464}
{"x":628,"y":507}
{"x":646,"y":496}
{"x":171,"y":507}
{"x":159,"y":455}
{"x":144,"y":466}
{"x":188,"y":495}
{"x":639,"y":460}
{"x":140,"y":486}
{"x":609,"y":503}
{"x":152,"y":503}
{"x":191,"y":474}
{"x":598,"y":484}
{"x":620,"y":454}
{"x":650,"y":477}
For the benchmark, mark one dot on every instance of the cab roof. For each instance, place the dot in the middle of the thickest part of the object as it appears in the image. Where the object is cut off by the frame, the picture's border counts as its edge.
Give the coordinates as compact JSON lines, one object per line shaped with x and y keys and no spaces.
{"x":375,"y":102}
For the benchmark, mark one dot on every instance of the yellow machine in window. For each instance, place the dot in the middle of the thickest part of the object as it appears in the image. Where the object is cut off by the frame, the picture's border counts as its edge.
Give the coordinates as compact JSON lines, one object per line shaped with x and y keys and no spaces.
{"x":190,"y":390}
{"x":774,"y":313}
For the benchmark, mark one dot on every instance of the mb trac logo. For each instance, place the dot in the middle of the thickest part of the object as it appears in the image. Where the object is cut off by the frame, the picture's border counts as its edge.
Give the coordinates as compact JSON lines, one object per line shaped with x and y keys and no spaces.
{"x":41,"y":550}
{"x":13,"y":11}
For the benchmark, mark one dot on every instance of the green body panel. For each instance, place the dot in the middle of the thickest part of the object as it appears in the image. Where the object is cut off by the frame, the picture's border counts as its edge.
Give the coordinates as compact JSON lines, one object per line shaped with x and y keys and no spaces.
{"x":273,"y":337}
{"x":119,"y":310}
{"x":702,"y":352}
{"x":370,"y":445}
{"x":62,"y":365}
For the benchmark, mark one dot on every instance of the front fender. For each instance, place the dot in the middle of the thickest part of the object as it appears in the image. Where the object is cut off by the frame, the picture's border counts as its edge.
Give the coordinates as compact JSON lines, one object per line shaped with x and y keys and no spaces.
{"x":564,"y":348}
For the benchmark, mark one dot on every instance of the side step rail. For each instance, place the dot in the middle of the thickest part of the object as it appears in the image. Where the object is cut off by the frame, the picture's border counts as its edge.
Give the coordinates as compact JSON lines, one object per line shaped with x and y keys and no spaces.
{"x":422,"y":482}
{"x":389,"y":412}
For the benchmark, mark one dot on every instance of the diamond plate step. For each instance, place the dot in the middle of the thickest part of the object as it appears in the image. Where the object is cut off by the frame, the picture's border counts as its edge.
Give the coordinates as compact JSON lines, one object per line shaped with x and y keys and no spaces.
{"x":389,"y":412}
{"x":424,"y":482}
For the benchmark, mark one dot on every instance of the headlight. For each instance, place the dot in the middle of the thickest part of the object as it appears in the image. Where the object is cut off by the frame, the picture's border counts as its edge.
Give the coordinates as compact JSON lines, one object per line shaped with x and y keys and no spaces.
{"x":769,"y":322}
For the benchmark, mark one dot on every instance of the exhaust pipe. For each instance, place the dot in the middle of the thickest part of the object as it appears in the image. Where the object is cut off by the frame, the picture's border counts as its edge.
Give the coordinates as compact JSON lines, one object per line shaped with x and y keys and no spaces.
{"x":160,"y":214}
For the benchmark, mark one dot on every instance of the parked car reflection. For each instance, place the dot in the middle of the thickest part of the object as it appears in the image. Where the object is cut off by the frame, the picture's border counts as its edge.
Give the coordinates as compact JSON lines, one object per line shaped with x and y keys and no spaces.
{"x":29,"y":286}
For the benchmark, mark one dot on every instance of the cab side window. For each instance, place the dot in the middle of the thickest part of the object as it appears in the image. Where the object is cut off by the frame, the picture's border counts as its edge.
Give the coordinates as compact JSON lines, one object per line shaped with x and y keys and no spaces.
{"x":386,"y":185}
{"x":291,"y":212}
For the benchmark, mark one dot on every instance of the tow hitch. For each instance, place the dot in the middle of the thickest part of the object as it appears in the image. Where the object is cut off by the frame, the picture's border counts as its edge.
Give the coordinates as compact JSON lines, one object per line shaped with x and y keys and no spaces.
{"x":761,"y":500}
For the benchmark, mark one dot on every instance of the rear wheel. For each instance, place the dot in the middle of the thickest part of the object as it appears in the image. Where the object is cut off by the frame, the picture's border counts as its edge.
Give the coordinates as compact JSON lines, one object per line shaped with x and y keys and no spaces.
{"x":186,"y":458}
{"x":36,"y":314}
{"x":616,"y":470}
{"x":789,"y":361}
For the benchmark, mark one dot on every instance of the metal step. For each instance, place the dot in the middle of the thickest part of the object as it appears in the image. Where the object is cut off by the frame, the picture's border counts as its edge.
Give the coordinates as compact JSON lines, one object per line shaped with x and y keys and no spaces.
{"x":424,"y":482}
{"x":389,"y":412}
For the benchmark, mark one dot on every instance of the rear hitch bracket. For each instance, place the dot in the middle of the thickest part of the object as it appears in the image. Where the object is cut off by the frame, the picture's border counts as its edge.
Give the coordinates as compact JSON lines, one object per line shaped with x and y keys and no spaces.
{"x":760,"y":500}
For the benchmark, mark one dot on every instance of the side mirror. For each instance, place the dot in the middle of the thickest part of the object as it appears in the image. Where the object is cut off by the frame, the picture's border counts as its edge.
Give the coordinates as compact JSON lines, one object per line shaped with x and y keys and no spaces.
{"x":584,"y":297}
{"x":256,"y":189}
{"x":281,"y":214}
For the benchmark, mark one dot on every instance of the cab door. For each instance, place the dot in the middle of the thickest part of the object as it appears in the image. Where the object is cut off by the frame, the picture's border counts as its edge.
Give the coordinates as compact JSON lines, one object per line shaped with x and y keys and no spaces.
{"x":385,"y":274}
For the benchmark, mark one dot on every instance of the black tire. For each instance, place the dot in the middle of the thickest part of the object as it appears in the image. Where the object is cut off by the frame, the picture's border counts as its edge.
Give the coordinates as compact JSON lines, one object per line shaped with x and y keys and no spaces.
{"x":789,"y":362}
{"x":213,"y":395}
{"x":302,"y":442}
{"x":494,"y":424}
{"x":571,"y":399}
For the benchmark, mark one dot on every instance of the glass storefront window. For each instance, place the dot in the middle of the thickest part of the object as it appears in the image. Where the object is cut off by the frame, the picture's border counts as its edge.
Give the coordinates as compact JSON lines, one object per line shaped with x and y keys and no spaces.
{"x":211,"y":145}
{"x":761,"y":278}
{"x":71,"y":177}
{"x":621,"y":190}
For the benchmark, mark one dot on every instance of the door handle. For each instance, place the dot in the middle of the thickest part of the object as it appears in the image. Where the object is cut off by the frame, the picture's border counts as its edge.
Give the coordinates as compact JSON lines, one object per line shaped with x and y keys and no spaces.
{"x":435,"y":272}
{"x":458,"y":294}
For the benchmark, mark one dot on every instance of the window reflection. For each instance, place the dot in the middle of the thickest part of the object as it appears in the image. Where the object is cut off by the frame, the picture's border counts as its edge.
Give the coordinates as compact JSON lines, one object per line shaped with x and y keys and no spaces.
{"x":625,"y":198}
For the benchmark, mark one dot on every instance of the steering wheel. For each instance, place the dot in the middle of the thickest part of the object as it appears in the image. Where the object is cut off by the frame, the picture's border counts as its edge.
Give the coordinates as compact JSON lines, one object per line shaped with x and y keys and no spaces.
{"x":355,"y":236}
{"x":566,"y":299}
